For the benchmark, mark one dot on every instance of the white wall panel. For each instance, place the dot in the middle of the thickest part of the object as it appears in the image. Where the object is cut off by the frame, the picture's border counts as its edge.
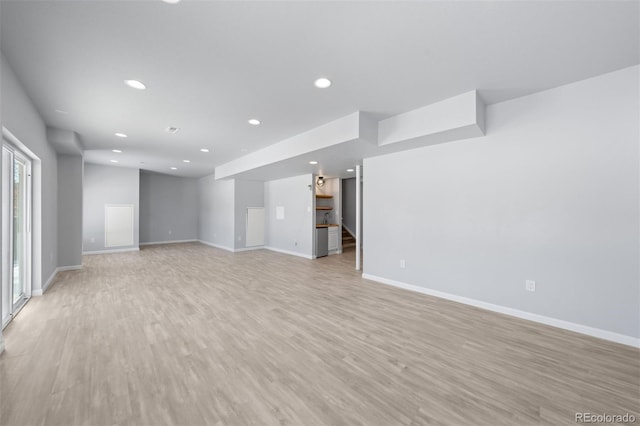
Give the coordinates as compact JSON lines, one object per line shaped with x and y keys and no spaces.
{"x":118,"y":225}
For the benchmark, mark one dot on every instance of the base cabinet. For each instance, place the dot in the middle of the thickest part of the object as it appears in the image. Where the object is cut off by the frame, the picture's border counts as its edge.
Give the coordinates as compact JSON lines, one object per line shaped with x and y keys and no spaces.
{"x":321,"y":242}
{"x":334,"y":242}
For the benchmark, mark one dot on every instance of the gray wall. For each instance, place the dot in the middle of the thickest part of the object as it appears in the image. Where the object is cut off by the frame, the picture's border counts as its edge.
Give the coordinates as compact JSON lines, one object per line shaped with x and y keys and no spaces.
{"x":70,"y":170}
{"x":168,"y":208}
{"x":349,"y":204}
{"x":22,"y":119}
{"x":248,"y":193}
{"x":216,"y":211}
{"x":551,"y":194}
{"x":293,"y":234}
{"x":107,"y":185}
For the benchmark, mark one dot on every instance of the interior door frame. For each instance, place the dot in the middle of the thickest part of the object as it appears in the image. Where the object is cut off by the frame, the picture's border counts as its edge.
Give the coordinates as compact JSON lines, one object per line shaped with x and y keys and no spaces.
{"x":28,"y":208}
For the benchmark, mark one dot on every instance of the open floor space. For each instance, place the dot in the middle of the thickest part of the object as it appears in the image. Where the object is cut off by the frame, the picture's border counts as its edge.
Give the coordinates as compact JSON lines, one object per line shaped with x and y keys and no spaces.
{"x":188,"y":334}
{"x":309,"y":213}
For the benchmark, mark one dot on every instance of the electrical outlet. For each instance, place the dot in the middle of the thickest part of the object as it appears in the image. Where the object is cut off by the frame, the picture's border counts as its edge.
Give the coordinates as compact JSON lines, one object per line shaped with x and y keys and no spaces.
{"x":402,"y":263}
{"x":530,"y":285}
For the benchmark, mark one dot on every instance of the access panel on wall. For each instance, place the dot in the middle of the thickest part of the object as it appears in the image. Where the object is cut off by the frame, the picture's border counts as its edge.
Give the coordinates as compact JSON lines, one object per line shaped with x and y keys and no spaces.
{"x":255,"y":226}
{"x":118,"y":226}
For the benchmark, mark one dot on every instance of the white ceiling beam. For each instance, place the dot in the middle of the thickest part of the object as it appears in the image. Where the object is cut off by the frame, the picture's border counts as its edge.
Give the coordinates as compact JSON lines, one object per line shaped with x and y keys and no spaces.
{"x":336,"y":132}
{"x":459,"y":117}
{"x":65,"y":141}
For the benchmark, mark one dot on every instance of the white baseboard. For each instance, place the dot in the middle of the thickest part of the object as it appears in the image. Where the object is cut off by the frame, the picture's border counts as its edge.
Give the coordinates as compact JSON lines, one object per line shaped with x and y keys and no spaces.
{"x":40,"y":291}
{"x":232,"y":250}
{"x":248,"y":249}
{"x":111,"y":251}
{"x":46,"y":285}
{"x":167,"y":242}
{"x":566,"y":325}
{"x":292,"y":253}
{"x":69,"y":268}
{"x":1,"y":343}
{"x":216,"y":245}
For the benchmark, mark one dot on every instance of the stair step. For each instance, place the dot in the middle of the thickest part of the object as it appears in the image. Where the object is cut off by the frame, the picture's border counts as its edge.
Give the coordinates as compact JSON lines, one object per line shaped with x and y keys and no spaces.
{"x":347,"y":239}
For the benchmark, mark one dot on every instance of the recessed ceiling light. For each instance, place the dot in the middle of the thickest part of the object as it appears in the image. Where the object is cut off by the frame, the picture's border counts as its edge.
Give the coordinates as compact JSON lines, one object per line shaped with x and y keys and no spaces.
{"x":174,"y":168}
{"x":59,"y":111}
{"x":120,"y":135}
{"x":186,"y":161}
{"x":114,"y":161}
{"x":349,"y":170}
{"x":254,"y":122}
{"x":135,"y":84}
{"x":117,"y":151}
{"x":172,"y":1}
{"x":322,"y":83}
{"x":204,"y":150}
{"x":172,"y":129}
{"x":313,"y":162}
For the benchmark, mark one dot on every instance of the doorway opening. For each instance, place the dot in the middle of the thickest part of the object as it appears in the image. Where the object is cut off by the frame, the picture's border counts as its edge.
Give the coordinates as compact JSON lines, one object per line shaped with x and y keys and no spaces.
{"x":352,"y":216}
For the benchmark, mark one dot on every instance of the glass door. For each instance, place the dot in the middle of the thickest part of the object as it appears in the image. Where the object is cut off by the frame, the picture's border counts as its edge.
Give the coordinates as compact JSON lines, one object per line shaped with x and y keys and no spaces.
{"x":20,"y":230}
{"x":16,"y":232}
{"x":7,"y":236}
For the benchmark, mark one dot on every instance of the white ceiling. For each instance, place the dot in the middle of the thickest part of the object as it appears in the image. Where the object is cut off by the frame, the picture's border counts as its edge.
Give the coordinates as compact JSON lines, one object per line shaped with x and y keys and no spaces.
{"x":211,"y":65}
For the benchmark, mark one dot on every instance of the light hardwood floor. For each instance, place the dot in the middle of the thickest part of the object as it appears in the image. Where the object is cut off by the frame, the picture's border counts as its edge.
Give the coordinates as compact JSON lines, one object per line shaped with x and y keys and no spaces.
{"x":186,"y":334}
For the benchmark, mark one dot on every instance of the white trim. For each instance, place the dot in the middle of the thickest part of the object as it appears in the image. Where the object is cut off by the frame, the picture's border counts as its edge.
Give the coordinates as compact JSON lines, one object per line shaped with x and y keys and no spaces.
{"x":232,"y":250}
{"x":34,"y":266}
{"x":111,"y":251}
{"x":554,"y":322}
{"x":359,"y":207}
{"x":292,"y":253}
{"x":6,"y":133}
{"x":19,"y":308}
{"x":216,"y":245}
{"x":69,"y":268}
{"x":248,"y":249}
{"x":45,"y":287}
{"x":167,"y":242}
{"x":1,"y":343}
